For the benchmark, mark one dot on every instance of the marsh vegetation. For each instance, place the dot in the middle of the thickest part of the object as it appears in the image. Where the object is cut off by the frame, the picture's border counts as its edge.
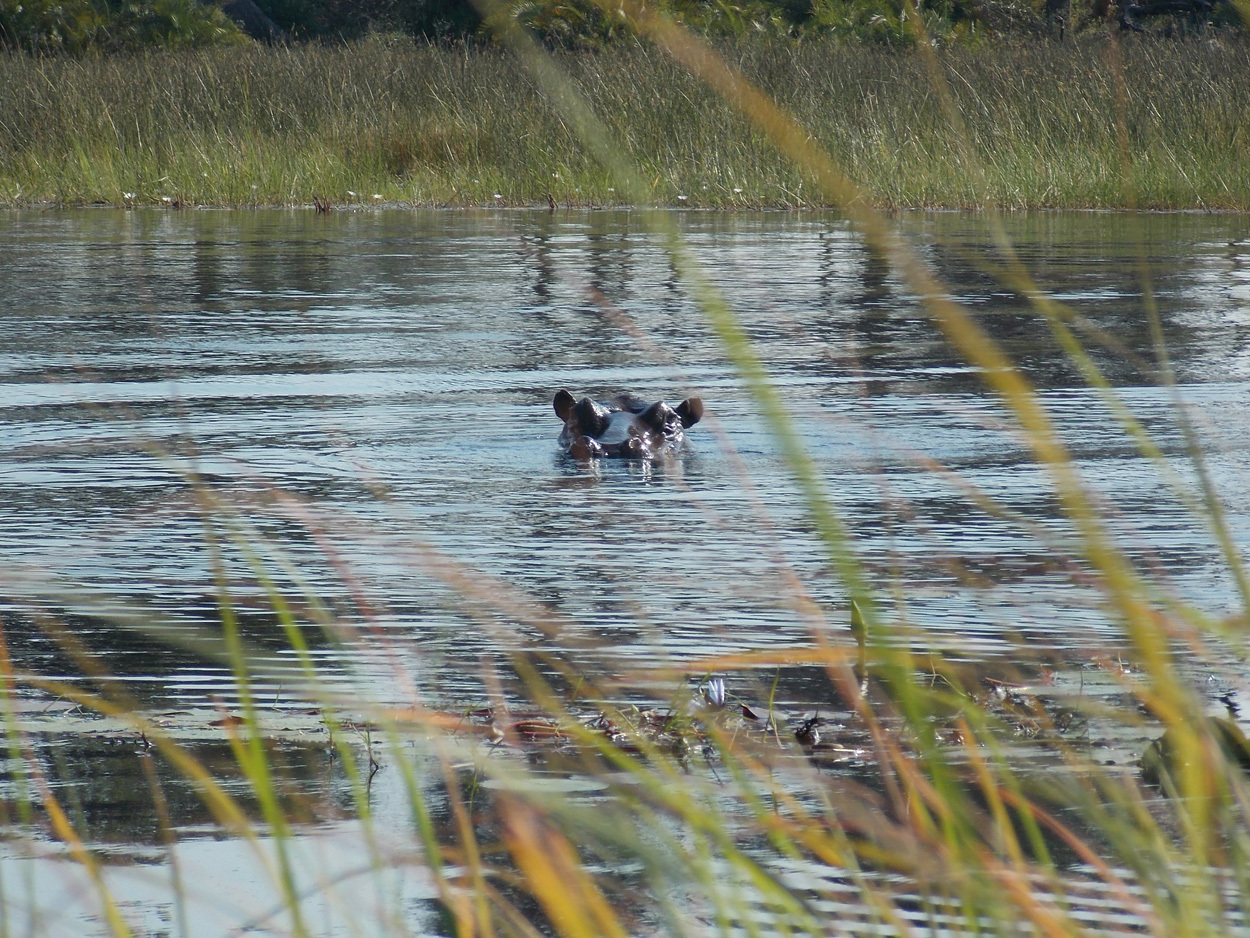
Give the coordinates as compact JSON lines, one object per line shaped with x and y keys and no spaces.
{"x":1093,"y":124}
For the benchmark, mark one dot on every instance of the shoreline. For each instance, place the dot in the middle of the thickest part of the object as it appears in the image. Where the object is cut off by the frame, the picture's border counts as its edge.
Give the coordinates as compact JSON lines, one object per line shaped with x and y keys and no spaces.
{"x":358,"y":208}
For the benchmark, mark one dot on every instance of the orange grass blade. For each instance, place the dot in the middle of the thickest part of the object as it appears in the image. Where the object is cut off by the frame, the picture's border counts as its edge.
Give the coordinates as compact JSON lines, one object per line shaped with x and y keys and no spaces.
{"x":556,"y":876}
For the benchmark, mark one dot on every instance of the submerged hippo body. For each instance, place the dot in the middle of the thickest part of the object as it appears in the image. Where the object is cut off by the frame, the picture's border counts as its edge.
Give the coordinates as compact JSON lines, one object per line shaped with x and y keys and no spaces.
{"x":625,"y":428}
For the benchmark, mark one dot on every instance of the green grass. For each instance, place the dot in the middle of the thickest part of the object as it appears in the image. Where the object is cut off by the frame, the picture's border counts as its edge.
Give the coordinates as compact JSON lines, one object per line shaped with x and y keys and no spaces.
{"x":416,"y":123}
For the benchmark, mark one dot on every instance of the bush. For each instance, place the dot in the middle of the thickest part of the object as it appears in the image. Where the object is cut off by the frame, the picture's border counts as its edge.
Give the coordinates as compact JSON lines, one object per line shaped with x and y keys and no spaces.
{"x":350,"y":19}
{"x":112,"y":25}
{"x":45,"y":24}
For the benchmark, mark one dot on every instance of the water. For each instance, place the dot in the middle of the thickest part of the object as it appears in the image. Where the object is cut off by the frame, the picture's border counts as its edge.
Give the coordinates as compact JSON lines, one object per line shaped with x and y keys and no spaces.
{"x":366,"y":399}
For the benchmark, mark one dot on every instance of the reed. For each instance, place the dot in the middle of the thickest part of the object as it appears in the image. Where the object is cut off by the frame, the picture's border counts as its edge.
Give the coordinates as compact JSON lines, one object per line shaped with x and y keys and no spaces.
{"x":390,"y":120}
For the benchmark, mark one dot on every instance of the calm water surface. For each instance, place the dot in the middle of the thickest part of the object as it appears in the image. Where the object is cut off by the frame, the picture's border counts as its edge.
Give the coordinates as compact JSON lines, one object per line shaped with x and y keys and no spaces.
{"x":366,"y":400}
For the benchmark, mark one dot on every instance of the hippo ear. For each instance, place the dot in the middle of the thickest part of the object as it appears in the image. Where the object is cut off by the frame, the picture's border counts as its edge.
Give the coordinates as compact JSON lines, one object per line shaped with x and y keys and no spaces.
{"x":564,"y":404}
{"x":690,"y":411}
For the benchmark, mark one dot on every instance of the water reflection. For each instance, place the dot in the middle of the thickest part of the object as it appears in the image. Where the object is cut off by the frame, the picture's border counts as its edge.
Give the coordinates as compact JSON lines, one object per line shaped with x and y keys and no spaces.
{"x":359,"y":393}
{"x":319,"y":355}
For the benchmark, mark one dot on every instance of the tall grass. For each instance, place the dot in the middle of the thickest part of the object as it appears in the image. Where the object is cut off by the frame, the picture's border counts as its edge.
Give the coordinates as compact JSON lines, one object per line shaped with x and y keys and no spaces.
{"x":418,"y":123}
{"x":939,"y":829}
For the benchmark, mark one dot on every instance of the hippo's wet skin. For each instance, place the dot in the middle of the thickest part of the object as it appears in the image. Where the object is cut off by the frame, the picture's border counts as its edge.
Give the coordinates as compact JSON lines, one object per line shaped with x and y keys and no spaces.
{"x":625,"y":428}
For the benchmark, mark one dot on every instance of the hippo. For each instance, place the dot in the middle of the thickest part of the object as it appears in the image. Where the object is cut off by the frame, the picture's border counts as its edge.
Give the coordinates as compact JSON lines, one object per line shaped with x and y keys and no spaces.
{"x":625,"y":428}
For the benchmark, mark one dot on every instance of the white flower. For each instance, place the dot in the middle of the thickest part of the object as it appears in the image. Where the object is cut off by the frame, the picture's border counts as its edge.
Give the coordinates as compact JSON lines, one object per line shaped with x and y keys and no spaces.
{"x":714,"y":692}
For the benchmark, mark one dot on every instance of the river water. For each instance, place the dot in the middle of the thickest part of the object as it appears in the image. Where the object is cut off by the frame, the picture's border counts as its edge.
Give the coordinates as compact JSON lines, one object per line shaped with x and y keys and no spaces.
{"x":359,"y":405}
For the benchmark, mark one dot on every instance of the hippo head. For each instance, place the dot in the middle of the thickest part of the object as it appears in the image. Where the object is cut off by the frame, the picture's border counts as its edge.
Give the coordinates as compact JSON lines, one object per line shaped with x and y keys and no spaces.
{"x":627,"y":428}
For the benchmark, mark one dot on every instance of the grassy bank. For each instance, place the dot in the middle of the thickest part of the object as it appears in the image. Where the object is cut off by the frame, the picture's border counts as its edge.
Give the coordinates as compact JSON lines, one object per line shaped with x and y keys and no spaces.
{"x":412,"y":123}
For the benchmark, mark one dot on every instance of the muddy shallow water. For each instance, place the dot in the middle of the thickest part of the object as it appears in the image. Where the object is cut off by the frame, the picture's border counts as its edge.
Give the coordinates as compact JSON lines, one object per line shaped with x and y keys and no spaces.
{"x":364,"y":402}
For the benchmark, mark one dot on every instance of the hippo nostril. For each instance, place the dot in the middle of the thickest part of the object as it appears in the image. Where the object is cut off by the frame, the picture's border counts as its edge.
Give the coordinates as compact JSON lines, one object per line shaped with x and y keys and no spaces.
{"x":633,"y":448}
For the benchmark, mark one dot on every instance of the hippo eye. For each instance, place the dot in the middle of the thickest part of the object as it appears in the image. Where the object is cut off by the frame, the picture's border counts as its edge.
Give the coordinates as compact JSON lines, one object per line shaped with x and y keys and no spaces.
{"x":660,"y":417}
{"x":592,"y":418}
